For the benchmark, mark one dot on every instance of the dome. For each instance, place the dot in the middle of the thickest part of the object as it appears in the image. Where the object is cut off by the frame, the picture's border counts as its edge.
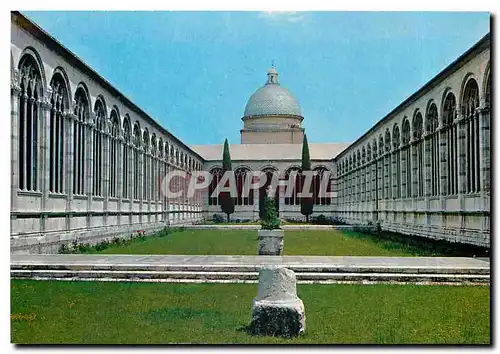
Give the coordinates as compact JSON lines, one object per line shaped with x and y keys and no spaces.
{"x":272,"y":99}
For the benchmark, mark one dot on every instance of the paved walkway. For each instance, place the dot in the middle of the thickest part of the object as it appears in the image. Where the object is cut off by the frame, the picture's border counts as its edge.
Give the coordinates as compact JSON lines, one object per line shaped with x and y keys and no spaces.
{"x":312,"y":269}
{"x":200,"y":260}
{"x":258,"y":227}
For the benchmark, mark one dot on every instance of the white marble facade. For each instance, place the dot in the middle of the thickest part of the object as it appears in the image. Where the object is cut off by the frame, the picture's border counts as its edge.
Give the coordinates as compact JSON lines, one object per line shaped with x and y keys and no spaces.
{"x":86,"y":162}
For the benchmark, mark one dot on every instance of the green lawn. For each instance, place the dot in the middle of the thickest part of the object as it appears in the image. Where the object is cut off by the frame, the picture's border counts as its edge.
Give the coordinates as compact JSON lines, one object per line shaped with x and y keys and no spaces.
{"x":108,"y":313}
{"x":244,"y":242}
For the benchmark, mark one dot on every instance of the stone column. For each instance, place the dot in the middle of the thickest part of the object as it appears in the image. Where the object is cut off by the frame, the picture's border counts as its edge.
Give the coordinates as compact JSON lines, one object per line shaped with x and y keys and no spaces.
{"x":140,"y":179}
{"x":119,"y":176}
{"x":462,"y":159}
{"x":281,"y":191}
{"x":427,"y":165}
{"x":394,"y":173}
{"x":15,"y":93}
{"x":414,"y":167}
{"x":89,"y":161}
{"x":106,"y":169}
{"x":44,"y":167}
{"x":484,"y":148}
{"x":69,"y":127}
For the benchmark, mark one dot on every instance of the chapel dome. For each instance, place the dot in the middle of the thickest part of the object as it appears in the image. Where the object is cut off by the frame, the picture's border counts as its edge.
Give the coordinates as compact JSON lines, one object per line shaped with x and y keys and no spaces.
{"x":272,"y":99}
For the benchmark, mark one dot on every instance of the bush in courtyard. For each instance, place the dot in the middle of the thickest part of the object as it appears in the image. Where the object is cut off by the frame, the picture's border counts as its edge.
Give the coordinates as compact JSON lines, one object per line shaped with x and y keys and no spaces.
{"x":270,"y":220}
{"x":217,"y":219}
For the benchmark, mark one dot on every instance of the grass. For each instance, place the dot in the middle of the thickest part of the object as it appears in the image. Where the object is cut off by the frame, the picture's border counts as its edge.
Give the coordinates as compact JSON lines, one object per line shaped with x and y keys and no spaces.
{"x":244,"y":242}
{"x":155,"y":313}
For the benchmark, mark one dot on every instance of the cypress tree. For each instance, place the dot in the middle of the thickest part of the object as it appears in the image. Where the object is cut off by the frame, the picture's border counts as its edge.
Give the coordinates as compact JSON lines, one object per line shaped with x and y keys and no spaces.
{"x":306,"y":203}
{"x":227,"y":203}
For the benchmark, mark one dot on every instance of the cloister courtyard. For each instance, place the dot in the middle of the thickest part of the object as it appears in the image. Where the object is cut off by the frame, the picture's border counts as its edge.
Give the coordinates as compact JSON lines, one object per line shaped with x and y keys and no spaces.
{"x":202,"y":300}
{"x":376,"y":230}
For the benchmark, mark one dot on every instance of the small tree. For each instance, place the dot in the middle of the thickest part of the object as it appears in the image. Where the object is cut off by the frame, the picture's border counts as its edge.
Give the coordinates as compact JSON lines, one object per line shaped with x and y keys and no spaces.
{"x":270,"y":221}
{"x":227,"y":203}
{"x":306,"y":203}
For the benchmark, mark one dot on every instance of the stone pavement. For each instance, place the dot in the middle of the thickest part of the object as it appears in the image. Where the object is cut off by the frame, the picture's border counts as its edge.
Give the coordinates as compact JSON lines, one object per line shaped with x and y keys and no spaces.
{"x":258,"y":227}
{"x":201,"y":268}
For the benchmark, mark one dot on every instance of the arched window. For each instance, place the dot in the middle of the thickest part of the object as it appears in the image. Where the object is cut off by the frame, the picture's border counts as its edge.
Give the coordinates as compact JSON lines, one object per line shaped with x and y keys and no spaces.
{"x":396,"y":141}
{"x":406,"y":152}
{"x":98,"y":134}
{"x":293,"y":178}
{"x":240,"y":175}
{"x":470,"y":103}
{"x":59,"y":105}
{"x":381,"y":169}
{"x":432,"y":123}
{"x":81,"y":112}
{"x":217,"y":174}
{"x":29,"y":111}
{"x":375,"y":171}
{"x":161,"y":169}
{"x":320,"y":184}
{"x":113,"y":153}
{"x":126,"y":149}
{"x":368,"y":173}
{"x":137,"y":154}
{"x":153,"y":174}
{"x":363,"y":174}
{"x":146,"y":174}
{"x":358,"y":176}
{"x":388,"y":165}
{"x":450,"y":132}
{"x":350,"y":181}
{"x":419,"y":153}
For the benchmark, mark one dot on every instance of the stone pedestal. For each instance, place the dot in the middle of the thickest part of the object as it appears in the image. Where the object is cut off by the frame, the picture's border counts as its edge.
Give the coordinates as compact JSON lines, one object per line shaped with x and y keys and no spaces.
{"x":277,"y":311}
{"x":271,"y":242}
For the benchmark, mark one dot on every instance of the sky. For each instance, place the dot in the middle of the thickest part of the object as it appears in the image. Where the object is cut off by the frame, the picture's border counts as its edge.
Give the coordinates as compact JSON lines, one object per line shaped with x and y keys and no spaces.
{"x":193,"y":72}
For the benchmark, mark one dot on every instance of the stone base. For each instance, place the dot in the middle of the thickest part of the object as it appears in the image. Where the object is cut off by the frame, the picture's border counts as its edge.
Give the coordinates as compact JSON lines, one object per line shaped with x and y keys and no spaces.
{"x":271,"y":242}
{"x":278,"y":318}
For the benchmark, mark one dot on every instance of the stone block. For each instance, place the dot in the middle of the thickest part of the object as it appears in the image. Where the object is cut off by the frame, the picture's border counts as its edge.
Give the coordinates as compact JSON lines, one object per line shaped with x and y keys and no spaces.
{"x":271,"y":242}
{"x":277,"y":311}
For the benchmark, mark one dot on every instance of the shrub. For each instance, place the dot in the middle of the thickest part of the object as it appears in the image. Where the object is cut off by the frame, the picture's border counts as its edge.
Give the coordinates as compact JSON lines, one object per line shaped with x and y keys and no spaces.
{"x":270,"y":220}
{"x":218,"y":219}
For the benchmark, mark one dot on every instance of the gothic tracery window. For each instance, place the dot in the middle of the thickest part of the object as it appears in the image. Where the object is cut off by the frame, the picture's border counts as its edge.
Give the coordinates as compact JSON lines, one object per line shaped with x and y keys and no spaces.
{"x":125,"y":158}
{"x":113,"y":153}
{"x":153,"y":167}
{"x":406,"y":157}
{"x":320,"y":184}
{"x":59,"y":104}
{"x":29,"y":111}
{"x":396,"y":141}
{"x":432,"y":130}
{"x":293,"y":180}
{"x":241,"y":178}
{"x":450,"y":132}
{"x":146,"y":173}
{"x":97,"y":158}
{"x":418,"y":154}
{"x":161,"y":169}
{"x":137,"y":154}
{"x":217,"y":174}
{"x":470,"y":103}
{"x":387,"y":166}
{"x":81,"y":111}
